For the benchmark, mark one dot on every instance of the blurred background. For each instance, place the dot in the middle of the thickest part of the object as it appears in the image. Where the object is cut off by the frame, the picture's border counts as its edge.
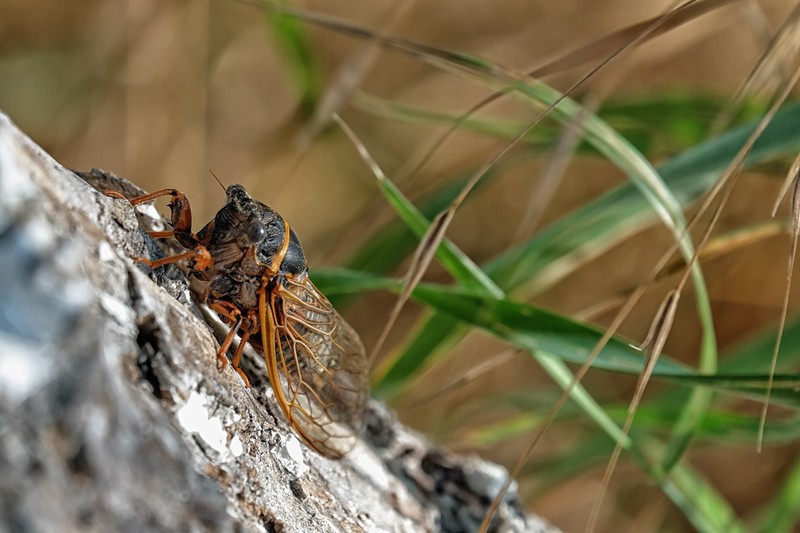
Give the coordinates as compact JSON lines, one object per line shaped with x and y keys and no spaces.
{"x":163,"y":92}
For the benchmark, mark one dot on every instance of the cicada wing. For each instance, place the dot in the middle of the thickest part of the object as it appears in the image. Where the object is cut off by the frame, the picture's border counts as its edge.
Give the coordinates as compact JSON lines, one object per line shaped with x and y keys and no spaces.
{"x":321,"y":368}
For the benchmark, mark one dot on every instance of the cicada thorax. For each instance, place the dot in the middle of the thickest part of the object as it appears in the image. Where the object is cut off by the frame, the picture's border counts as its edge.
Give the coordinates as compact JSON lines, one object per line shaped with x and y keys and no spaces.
{"x":248,"y":242}
{"x":258,"y":282}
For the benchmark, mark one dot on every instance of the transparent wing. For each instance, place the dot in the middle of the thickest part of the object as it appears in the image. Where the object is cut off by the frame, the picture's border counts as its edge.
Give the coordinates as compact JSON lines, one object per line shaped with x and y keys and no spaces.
{"x":321,"y":368}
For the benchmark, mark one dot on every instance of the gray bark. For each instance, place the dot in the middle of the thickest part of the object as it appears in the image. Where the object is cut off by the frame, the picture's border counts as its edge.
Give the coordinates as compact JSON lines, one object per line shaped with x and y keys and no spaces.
{"x":114,"y":416}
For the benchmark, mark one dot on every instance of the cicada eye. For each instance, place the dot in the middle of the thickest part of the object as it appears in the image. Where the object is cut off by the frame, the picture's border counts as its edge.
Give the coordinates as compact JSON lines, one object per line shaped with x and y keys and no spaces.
{"x":256,"y":232}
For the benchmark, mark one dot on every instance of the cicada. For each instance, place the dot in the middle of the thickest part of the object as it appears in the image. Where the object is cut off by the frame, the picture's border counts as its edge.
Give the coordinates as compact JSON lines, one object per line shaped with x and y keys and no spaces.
{"x":253,"y":273}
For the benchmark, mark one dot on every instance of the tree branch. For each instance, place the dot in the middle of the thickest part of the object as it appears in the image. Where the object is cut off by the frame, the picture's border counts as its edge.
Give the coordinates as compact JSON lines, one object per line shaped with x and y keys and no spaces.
{"x":113,"y":415}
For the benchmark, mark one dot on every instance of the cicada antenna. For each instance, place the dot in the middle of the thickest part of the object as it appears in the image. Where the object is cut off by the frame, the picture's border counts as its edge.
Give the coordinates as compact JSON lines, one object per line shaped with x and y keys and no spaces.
{"x":216,"y":178}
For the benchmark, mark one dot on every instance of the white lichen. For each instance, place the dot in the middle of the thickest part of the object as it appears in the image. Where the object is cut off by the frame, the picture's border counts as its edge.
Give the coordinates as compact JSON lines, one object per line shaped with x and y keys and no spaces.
{"x":195,"y":418}
{"x":291,"y":457}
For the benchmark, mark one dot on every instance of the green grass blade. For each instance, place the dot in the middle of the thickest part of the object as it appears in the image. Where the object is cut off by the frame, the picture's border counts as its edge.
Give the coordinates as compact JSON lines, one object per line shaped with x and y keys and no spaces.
{"x":784,"y":513}
{"x":461,"y":267}
{"x":395,"y":242}
{"x":591,"y":230}
{"x":669,"y":209}
{"x":618,"y":213}
{"x":703,"y":506}
{"x":533,"y":329}
{"x":424,"y":344}
{"x":538,"y":330}
{"x":722,"y":427}
{"x":754,"y":355}
{"x":669,"y":121}
{"x":653,"y":417}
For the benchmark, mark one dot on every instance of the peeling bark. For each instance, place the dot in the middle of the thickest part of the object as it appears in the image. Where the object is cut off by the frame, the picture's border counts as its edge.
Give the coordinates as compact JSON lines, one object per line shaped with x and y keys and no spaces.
{"x":114,"y":417}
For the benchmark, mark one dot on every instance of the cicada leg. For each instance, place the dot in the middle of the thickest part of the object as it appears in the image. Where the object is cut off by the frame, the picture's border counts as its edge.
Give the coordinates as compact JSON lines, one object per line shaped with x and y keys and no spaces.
{"x":200,"y":258}
{"x":234,"y":316}
{"x":181,"y":220}
{"x":237,"y":357}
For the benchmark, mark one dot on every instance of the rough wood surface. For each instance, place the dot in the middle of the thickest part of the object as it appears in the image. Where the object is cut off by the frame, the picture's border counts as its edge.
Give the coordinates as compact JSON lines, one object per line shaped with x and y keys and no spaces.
{"x":114,"y":417}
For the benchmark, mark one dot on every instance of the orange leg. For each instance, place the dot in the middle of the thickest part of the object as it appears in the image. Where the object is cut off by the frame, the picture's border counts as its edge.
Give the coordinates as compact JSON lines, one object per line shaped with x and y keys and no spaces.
{"x":238,"y":356}
{"x":200,"y":259}
{"x":232,"y":314}
{"x":181,"y":215}
{"x":162,"y":234}
{"x":181,"y":220}
{"x":181,"y":212}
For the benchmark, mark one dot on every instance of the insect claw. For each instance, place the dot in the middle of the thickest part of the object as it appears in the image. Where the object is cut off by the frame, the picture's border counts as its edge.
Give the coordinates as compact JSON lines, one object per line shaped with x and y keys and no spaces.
{"x":222,"y":361}
{"x":114,"y":194}
{"x":244,"y":377}
{"x":144,"y":260}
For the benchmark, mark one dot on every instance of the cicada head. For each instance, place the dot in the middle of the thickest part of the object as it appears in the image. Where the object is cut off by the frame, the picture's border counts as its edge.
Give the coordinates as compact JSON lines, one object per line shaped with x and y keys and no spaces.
{"x":246,"y":226}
